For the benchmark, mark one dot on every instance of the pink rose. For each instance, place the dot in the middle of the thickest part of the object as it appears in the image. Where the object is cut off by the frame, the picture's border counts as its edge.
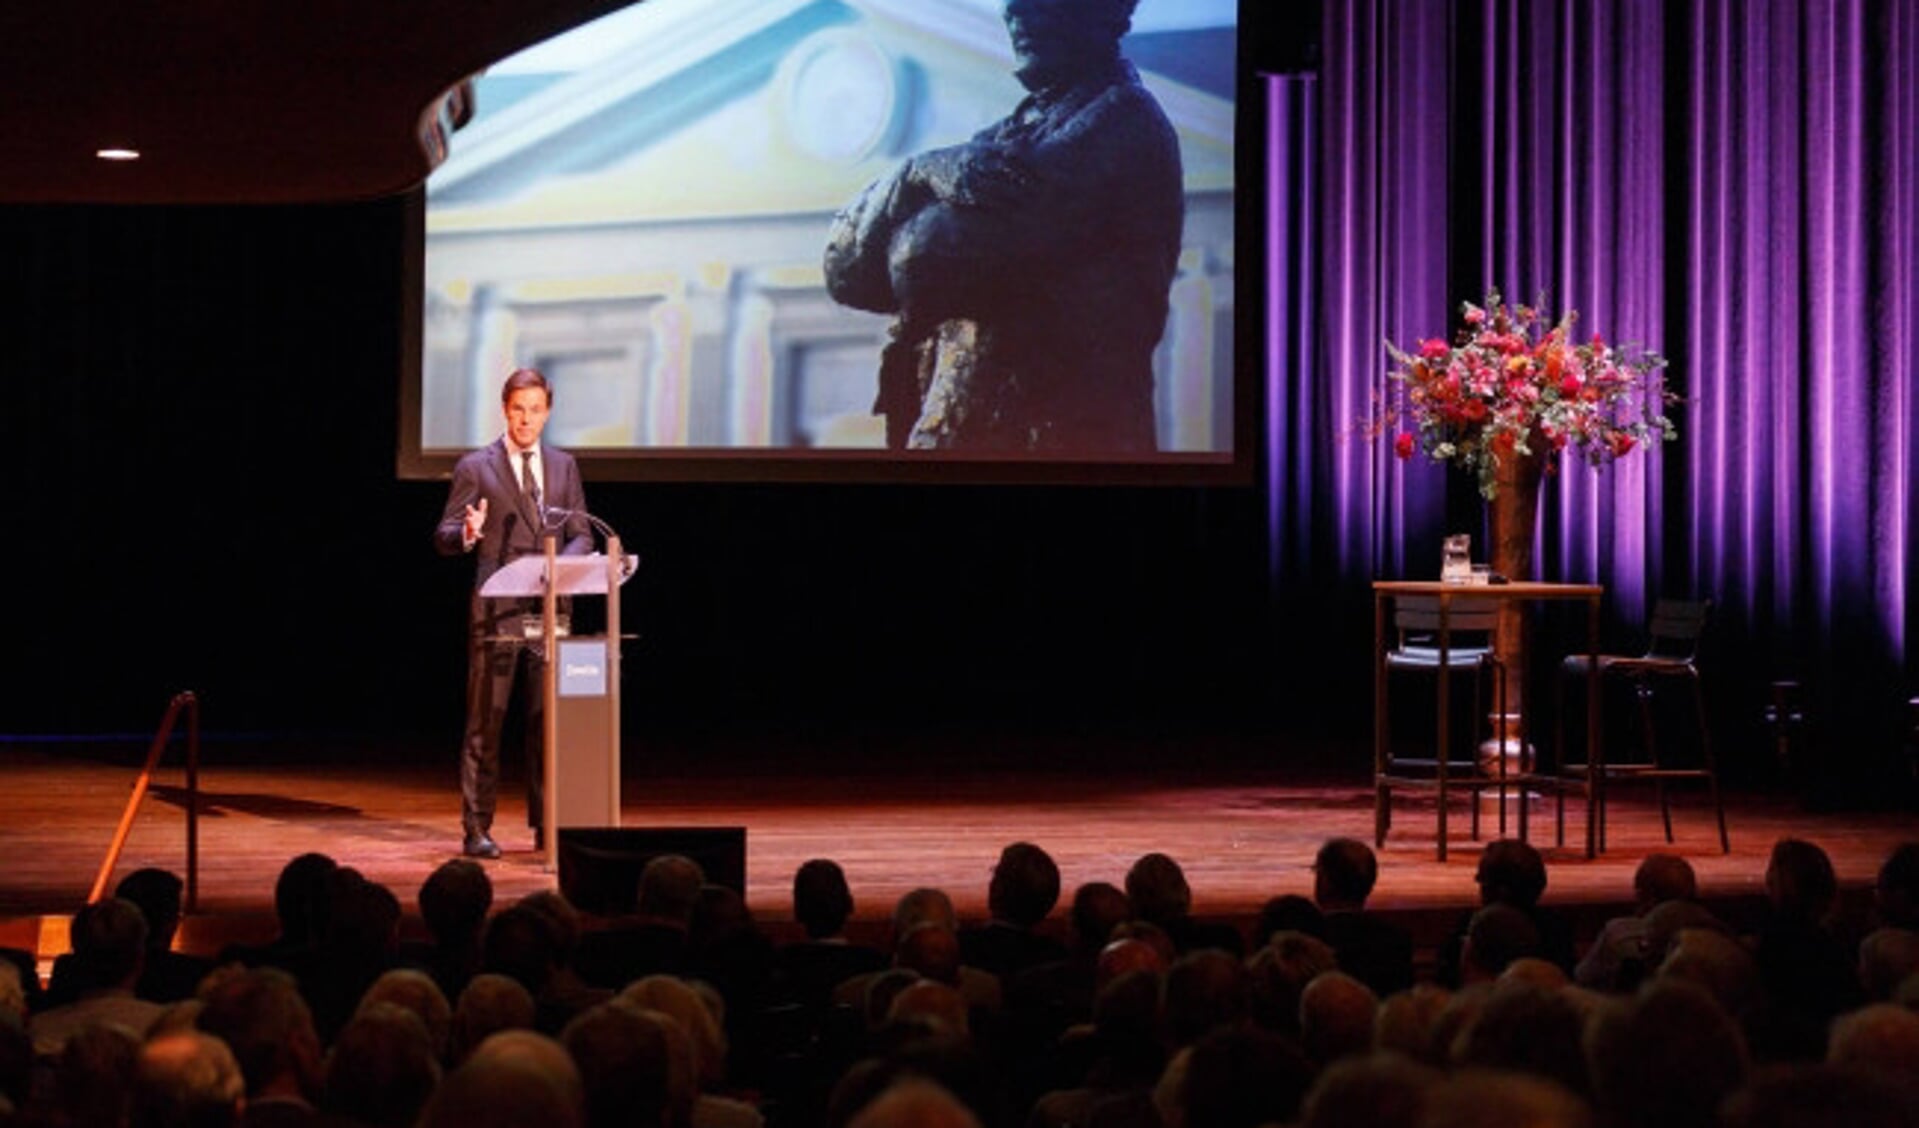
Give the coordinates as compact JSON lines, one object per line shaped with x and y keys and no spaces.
{"x":1403,"y":444}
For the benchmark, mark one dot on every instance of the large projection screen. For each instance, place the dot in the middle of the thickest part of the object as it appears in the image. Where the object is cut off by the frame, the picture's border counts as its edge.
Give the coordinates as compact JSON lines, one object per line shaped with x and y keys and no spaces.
{"x":642,"y":208}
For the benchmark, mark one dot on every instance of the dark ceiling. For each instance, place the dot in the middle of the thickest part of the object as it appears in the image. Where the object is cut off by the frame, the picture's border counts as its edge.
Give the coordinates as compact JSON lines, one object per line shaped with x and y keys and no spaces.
{"x":242,"y":101}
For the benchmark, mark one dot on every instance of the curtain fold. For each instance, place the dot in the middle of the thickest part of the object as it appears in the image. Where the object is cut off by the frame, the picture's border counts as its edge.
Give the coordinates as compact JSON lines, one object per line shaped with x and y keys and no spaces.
{"x":1730,"y":182}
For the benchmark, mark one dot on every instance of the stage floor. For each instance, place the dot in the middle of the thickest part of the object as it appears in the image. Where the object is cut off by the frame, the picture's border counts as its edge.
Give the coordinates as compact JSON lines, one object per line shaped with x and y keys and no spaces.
{"x":1242,"y":836}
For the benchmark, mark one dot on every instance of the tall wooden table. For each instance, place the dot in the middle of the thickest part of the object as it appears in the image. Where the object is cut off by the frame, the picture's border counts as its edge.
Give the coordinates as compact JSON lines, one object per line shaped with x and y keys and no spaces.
{"x":1384,"y":591}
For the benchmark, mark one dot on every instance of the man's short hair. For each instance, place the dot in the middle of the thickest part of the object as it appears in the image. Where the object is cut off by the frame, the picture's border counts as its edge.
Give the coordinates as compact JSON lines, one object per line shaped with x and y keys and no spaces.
{"x":670,"y":887}
{"x":1665,"y":877}
{"x":521,"y":378}
{"x":382,"y":1069}
{"x":454,"y":900}
{"x":261,"y":1016}
{"x":1347,"y":870}
{"x":1025,"y":885}
{"x":1800,"y":879}
{"x":299,"y":896}
{"x":186,"y":1079}
{"x":1157,"y":888}
{"x":157,"y":894}
{"x":109,"y":937}
{"x":1511,"y":872}
{"x":821,"y":898}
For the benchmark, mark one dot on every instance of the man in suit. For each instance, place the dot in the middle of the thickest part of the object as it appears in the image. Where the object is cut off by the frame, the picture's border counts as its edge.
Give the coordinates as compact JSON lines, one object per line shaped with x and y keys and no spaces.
{"x":505,"y":497}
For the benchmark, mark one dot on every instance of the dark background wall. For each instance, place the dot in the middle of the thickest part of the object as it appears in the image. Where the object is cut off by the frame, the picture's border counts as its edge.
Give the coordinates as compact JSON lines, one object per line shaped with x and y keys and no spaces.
{"x":203,"y":407}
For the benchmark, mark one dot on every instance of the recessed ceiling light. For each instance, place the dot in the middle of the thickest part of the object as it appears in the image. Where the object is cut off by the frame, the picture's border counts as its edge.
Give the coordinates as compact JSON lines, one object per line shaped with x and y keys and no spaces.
{"x":117,"y":154}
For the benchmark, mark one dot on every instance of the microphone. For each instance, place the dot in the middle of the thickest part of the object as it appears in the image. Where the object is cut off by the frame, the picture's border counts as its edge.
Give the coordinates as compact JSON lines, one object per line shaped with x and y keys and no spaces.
{"x":553,"y":515}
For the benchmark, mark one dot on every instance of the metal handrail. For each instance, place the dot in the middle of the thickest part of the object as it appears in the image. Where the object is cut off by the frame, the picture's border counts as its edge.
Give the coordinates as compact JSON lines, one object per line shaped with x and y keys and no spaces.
{"x":187,"y":702}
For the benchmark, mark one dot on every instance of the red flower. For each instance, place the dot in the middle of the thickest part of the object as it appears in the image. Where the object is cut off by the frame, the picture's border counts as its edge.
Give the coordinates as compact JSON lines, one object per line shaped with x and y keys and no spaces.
{"x":1403,"y":444}
{"x":1619,"y":442}
{"x":1434,"y":349}
{"x":1503,"y":443}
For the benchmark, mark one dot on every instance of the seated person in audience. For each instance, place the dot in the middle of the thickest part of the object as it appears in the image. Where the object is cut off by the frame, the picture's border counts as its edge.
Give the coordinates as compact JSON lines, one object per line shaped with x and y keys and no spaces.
{"x":1023,"y":890}
{"x":1511,"y":873}
{"x":1204,"y":991}
{"x":1280,"y":971}
{"x":915,"y":908}
{"x":1820,"y":1096}
{"x":109,"y":941}
{"x":491,"y":1003}
{"x":706,"y":1039}
{"x":1618,"y":959}
{"x":1807,"y":972}
{"x":169,"y":976}
{"x":1527,"y":1028}
{"x":260,"y":1015}
{"x":514,"y":1079}
{"x":1370,"y":948}
{"x":453,"y":902}
{"x":186,"y":1079}
{"x":1156,"y":886}
{"x":1882,"y":1037}
{"x":1118,"y":1057}
{"x":1288,"y":912}
{"x":520,"y":944}
{"x":300,"y":904}
{"x":653,"y":940}
{"x":625,"y":1057}
{"x":1238,"y":1076}
{"x":1896,"y":890}
{"x":1486,"y":1098}
{"x":1064,"y":988}
{"x":1336,"y":1014}
{"x":809,"y":969}
{"x":566,"y":987}
{"x":1887,"y":958}
{"x":382,"y":1069}
{"x":1379,"y":1091}
{"x":92,"y":1080}
{"x":413,"y":990}
{"x":1497,"y":935}
{"x":359,"y":941}
{"x":1669,"y":1056}
{"x":1406,"y":1021}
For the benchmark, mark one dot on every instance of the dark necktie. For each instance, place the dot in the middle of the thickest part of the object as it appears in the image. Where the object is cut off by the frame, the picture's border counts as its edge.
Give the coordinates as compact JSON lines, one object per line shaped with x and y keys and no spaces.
{"x":529,"y":485}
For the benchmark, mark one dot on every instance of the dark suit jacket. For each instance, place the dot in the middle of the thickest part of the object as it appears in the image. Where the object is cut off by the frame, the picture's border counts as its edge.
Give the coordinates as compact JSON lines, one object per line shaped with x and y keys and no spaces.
{"x":512,"y":528}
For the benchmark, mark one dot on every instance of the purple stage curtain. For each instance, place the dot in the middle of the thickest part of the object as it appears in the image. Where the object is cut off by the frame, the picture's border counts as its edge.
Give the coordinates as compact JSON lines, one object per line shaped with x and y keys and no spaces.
{"x":1729,"y":182}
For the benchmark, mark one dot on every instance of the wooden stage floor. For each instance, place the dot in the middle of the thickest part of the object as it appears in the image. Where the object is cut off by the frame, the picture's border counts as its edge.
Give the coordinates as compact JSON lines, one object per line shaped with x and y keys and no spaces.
{"x":1242,"y":836}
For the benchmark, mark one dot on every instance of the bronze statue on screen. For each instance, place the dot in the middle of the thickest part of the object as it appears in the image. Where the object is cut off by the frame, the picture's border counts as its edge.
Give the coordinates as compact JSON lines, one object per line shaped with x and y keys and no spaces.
{"x":1028,"y":268}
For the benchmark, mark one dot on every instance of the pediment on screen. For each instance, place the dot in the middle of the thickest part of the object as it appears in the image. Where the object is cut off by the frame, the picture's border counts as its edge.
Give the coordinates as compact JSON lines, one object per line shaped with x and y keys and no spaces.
{"x":642,"y":213}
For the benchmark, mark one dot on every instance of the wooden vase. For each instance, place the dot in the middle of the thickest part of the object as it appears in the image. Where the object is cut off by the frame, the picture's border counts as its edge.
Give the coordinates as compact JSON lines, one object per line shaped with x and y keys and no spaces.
{"x":1513,"y":514}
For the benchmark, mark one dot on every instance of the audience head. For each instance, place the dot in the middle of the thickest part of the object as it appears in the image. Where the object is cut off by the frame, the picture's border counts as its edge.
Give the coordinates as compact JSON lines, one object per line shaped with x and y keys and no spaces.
{"x":109,"y":941}
{"x":1800,"y":881}
{"x":1336,"y":1014}
{"x":1528,"y":1029}
{"x":416,"y":992}
{"x":1406,"y":1020}
{"x":513,"y":1079}
{"x":1897,"y":888}
{"x":363,"y":918}
{"x":300,"y":897}
{"x":1025,"y":885}
{"x":625,"y":1055}
{"x":93,"y":1076}
{"x":1498,"y":934}
{"x":157,"y":894}
{"x":1377,"y":1090}
{"x":670,"y":888}
{"x":923,"y":906}
{"x":1821,"y":1096}
{"x":822,"y":901}
{"x":915,"y":1103}
{"x":454,"y":901}
{"x":1664,"y":923}
{"x":489,"y":1004}
{"x":1288,"y":912}
{"x":1237,"y":1078}
{"x":1664,"y":877}
{"x":261,"y":1016}
{"x":1535,"y":972}
{"x":1204,"y":991}
{"x":1887,"y":958}
{"x":931,"y":950}
{"x":1881,"y":1036}
{"x":1717,"y":963}
{"x":1098,"y":908}
{"x":1512,"y":873}
{"x":1666,"y":1058}
{"x":937,"y":1008}
{"x":13,"y":993}
{"x":1485,"y":1098}
{"x":1121,"y":957}
{"x":382,"y":1068}
{"x":520,"y":944}
{"x":677,"y":1000}
{"x":186,"y":1079}
{"x":1157,"y":888}
{"x":1344,"y":872}
{"x":1280,"y":971}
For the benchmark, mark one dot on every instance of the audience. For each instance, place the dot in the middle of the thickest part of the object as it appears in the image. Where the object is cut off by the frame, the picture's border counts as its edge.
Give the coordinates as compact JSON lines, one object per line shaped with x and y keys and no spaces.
{"x":1679,"y":1022}
{"x":167,"y":976}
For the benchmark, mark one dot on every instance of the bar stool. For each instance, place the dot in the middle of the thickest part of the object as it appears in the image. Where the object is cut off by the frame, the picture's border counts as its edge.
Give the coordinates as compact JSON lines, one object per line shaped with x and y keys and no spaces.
{"x":1672,"y":653}
{"x":1469,"y":626}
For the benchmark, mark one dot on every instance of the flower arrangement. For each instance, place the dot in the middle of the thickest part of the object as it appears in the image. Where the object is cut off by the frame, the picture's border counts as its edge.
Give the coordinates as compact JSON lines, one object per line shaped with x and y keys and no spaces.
{"x":1513,"y":385}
